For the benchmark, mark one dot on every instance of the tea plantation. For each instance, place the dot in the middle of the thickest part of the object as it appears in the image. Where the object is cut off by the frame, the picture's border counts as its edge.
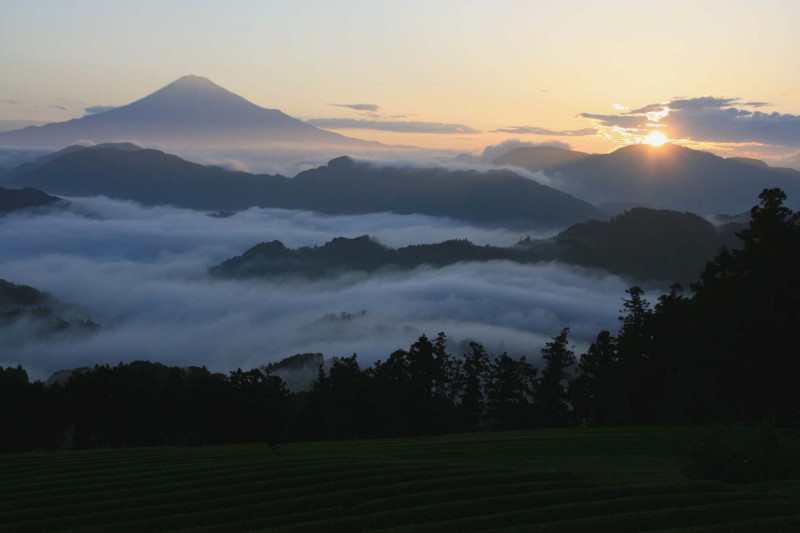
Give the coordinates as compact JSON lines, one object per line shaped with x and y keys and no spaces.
{"x":619,"y":479}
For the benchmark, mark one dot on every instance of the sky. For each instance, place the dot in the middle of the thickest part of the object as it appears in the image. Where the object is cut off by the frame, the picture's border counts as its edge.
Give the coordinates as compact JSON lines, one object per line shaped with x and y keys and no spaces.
{"x":439,"y":74}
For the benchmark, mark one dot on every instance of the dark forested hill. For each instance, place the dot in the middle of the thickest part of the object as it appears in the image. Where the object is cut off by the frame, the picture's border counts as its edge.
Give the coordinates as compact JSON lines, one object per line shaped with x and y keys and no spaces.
{"x":13,"y":199}
{"x":642,"y":243}
{"x":343,"y":186}
{"x":360,"y":254}
{"x":29,"y":314}
{"x":646,"y":243}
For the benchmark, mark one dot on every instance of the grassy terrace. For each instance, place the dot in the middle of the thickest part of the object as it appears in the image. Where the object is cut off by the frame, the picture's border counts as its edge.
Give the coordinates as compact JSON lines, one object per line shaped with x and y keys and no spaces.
{"x":626,"y":479}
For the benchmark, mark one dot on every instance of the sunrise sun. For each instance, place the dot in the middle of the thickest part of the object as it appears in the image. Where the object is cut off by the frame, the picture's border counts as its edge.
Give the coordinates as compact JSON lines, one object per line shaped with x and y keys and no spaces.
{"x":655,"y":138}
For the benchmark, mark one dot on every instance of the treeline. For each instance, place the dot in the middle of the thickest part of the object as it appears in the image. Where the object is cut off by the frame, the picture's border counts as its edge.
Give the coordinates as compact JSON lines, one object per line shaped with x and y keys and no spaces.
{"x":722,"y":354}
{"x":423,"y":390}
{"x":142,"y":404}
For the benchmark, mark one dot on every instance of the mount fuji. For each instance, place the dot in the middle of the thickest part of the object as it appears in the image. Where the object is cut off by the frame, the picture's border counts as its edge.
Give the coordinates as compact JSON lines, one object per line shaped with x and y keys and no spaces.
{"x":189,"y":112}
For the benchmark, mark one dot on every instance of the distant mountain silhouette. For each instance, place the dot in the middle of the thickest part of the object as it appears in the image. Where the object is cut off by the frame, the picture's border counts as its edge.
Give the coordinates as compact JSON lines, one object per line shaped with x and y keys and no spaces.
{"x":761,"y":164}
{"x":191,"y":111}
{"x":645,"y":244}
{"x":343,"y":186}
{"x":671,"y":177}
{"x":39,"y":162}
{"x":539,"y":158}
{"x":14,"y":199}
{"x":148,"y":176}
{"x":749,"y":161}
{"x":495,"y":197}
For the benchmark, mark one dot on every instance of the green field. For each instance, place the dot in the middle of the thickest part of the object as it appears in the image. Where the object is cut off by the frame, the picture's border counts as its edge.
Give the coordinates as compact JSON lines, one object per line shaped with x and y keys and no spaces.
{"x":626,"y":479}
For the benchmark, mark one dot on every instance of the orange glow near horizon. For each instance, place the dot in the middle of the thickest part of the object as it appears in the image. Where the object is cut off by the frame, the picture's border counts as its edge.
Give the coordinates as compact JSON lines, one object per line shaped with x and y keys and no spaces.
{"x":655,"y":139}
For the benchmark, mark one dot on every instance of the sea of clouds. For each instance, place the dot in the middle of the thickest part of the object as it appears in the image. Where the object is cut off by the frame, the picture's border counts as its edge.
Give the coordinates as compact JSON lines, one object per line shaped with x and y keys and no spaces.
{"x":142,"y":273}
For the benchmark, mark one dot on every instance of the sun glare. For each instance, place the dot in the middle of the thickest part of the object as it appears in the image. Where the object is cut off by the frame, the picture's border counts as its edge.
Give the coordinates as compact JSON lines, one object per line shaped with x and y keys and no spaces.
{"x":655,"y":138}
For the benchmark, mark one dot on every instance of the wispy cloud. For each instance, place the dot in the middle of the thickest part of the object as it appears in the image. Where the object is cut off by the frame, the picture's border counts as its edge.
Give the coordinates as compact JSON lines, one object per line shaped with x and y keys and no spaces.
{"x":396,"y":126}
{"x":536,"y":130}
{"x":9,"y":101}
{"x":360,"y":107}
{"x":617,"y":121}
{"x":92,"y":110}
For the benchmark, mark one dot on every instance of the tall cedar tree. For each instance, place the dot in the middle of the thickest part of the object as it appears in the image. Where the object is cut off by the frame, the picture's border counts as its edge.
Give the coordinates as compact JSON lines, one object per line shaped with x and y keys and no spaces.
{"x":510,"y":392}
{"x":594,"y":394}
{"x":473,"y":397}
{"x":551,"y":395}
{"x":749,"y":300}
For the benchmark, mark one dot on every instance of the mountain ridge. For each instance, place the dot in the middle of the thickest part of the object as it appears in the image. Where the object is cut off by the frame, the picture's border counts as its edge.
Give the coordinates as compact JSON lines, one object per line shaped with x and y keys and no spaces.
{"x":343,"y":186}
{"x":538,"y":158}
{"x":189,"y":112}
{"x":669,"y":177}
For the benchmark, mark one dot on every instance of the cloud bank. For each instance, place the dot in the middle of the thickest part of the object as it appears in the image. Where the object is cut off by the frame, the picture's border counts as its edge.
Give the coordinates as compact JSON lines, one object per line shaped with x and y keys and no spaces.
{"x":536,"y":130}
{"x":395,"y":126}
{"x":93,"y":110}
{"x":707,"y":119}
{"x":142,"y":273}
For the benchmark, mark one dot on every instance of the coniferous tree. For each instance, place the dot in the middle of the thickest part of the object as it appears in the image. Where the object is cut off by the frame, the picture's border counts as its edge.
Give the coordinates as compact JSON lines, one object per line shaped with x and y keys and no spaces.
{"x":594,"y":394}
{"x":634,"y":349}
{"x":259,"y":406}
{"x":336,"y":407}
{"x":681,"y":393}
{"x":473,"y":396}
{"x":750,"y":301}
{"x":510,"y":392}
{"x":552,"y":399}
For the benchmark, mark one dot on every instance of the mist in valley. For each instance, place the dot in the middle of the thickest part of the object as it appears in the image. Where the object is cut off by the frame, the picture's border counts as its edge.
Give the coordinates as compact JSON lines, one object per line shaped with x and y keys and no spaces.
{"x":142,"y":274}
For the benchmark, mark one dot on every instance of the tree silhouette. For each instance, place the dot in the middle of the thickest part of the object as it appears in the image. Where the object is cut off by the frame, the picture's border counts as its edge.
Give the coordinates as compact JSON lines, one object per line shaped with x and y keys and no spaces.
{"x":551,"y":395}
{"x":510,"y":392}
{"x":259,"y":406}
{"x":473,"y":396}
{"x":337,"y":405}
{"x":595,"y":395}
{"x":634,"y":349}
{"x":750,"y":298}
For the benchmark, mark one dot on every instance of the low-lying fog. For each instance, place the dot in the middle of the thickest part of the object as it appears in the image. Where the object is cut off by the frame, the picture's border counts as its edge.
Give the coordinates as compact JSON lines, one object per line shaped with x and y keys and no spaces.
{"x":142,"y":273}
